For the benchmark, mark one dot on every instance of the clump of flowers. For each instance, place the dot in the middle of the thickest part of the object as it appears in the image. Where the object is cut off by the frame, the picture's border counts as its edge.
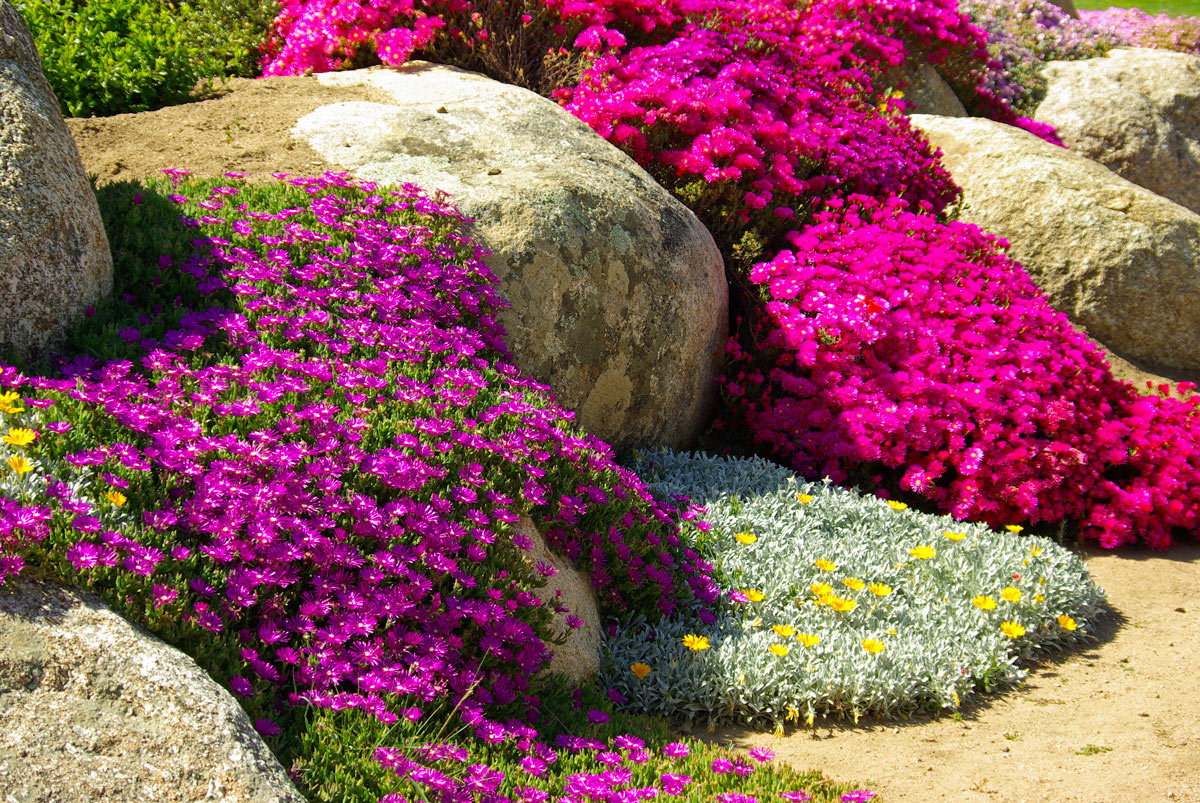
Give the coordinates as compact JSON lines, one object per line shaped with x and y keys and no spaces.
{"x":941,"y":617}
{"x":752,"y":114}
{"x":1021,"y":37}
{"x":312,"y":478}
{"x":1136,"y":28}
{"x":895,"y":344}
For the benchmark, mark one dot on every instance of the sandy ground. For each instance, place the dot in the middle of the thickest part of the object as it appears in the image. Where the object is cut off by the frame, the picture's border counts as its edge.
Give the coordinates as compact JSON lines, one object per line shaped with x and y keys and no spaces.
{"x":1111,"y":724}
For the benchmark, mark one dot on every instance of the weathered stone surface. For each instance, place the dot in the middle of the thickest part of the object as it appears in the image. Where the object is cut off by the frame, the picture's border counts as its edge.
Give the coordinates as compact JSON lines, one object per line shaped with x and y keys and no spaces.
{"x":1122,"y":262}
{"x":1137,"y":112}
{"x":579,"y":657}
{"x":618,"y":291}
{"x":925,"y":92}
{"x":92,"y":709}
{"x":54,"y":256}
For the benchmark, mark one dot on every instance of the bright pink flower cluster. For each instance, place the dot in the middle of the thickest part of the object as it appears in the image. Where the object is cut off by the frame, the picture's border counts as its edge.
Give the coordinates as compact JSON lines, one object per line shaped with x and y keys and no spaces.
{"x":898,"y":343}
{"x":323,"y":35}
{"x":768,"y":107}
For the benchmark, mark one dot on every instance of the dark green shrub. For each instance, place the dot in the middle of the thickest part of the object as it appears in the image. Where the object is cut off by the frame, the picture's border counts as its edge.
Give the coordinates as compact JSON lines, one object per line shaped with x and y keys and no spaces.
{"x":106,"y":57}
{"x":230,"y":31}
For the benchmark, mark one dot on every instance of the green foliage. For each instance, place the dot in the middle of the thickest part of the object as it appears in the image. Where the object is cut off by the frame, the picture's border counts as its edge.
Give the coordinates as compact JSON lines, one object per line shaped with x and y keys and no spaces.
{"x":229,"y":31}
{"x":889,"y":594}
{"x":106,"y":57}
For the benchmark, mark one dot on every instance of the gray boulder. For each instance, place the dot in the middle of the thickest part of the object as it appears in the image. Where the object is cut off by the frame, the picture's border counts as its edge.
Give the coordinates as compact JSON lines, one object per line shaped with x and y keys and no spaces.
{"x":54,"y":256}
{"x":578,"y":656}
{"x":1137,"y":112}
{"x":93,"y":709}
{"x":925,"y":91}
{"x":1122,"y":262}
{"x":618,"y":291}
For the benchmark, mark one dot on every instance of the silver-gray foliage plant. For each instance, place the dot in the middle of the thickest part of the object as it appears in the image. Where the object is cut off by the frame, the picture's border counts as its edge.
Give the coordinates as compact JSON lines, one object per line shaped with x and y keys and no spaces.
{"x":938,"y":645}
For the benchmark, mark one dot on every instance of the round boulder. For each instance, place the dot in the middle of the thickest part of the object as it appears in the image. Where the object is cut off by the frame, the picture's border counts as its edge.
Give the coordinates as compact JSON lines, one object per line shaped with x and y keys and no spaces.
{"x":1137,"y":112}
{"x":618,"y":292}
{"x":1121,"y":261}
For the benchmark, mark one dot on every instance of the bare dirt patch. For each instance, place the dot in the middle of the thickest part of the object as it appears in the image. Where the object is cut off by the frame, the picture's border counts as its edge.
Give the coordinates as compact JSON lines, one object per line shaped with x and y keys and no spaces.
{"x":1116,"y":723}
{"x":245,"y":128}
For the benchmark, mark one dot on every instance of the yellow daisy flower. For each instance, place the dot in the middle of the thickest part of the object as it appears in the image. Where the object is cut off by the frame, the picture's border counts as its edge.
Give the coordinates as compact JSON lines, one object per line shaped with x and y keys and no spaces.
{"x":787,"y":631}
{"x":19,"y":464}
{"x":954,"y":536}
{"x":804,"y":498}
{"x":778,"y":649}
{"x":821,"y":590}
{"x":873,"y":646}
{"x":808,"y":639}
{"x":880,"y":589}
{"x":824,"y":565}
{"x":853,"y":583}
{"x":841,"y":605}
{"x":1066,"y":622}
{"x":754,"y":595}
{"x":639,"y":670}
{"x":8,"y":402}
{"x":19,"y":437}
{"x":695,"y":643}
{"x":1039,"y":597}
{"x":745,"y":538}
{"x":1013,"y":528}
{"x":984,"y":602}
{"x":1037,"y":550}
{"x":1012,"y":629}
{"x":116,"y":497}
{"x":1010,"y":594}
{"x":894,"y":505}
{"x":922,"y":552}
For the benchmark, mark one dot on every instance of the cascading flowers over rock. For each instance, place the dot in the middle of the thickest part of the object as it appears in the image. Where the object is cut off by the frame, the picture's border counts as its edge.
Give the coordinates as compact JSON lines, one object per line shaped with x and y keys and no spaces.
{"x":308,"y":474}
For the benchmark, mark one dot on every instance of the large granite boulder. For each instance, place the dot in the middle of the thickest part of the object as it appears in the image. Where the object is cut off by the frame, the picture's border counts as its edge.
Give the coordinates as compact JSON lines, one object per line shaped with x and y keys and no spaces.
{"x":1137,"y":112}
{"x":618,"y":292}
{"x":1121,"y":261}
{"x":92,"y":709}
{"x":54,"y":257}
